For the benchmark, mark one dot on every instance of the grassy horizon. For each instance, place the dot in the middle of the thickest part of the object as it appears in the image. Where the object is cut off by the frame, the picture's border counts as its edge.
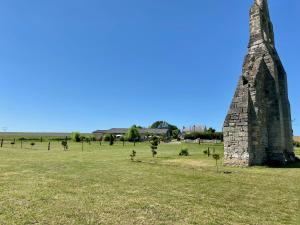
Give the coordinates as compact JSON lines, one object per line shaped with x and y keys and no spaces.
{"x":100,"y":185}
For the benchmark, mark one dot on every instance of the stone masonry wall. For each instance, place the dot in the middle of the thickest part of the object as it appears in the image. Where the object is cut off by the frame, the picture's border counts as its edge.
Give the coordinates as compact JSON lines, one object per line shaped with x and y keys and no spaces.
{"x":257,"y":129}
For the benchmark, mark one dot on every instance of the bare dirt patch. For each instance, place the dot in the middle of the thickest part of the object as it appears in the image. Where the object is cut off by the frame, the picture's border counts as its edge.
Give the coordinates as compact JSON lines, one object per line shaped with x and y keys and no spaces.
{"x":188,"y":162}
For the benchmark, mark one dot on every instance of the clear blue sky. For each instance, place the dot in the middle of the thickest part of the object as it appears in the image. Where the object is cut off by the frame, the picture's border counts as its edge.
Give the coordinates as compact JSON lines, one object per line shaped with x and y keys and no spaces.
{"x":95,"y":64}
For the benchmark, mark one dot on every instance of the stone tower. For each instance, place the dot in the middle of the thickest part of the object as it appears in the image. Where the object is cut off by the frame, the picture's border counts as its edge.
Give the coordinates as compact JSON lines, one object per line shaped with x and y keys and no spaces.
{"x":258,"y":129}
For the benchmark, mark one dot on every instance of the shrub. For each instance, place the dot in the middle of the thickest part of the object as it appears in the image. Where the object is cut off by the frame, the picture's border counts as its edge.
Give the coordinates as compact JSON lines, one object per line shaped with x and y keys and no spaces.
{"x":133,"y":134}
{"x":175,"y":134}
{"x":65,"y":145}
{"x":106,"y":137}
{"x":132,"y":155}
{"x":216,"y":157}
{"x":204,"y":135}
{"x":154,"y":145}
{"x":207,"y":152}
{"x":184,"y":152}
{"x":297,"y":144}
{"x":75,"y":136}
{"x":111,"y":140}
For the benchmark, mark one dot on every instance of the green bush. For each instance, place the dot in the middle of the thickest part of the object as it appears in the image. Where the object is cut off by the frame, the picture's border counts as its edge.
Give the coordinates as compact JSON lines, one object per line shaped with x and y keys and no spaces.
{"x":75,"y":136}
{"x":106,"y":137}
{"x":133,"y":134}
{"x":132,"y":155}
{"x":154,"y":145}
{"x":297,"y":144}
{"x":111,"y":140}
{"x":184,"y":152}
{"x":123,"y":138}
{"x":204,"y":135}
{"x":32,"y":144}
{"x":65,"y":145}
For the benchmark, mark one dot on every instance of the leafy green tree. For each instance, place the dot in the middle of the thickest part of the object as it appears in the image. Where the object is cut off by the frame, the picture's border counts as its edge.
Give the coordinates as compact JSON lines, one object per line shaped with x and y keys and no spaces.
{"x":106,"y":137}
{"x":174,"y":131}
{"x":211,"y":130}
{"x":111,"y":140}
{"x":123,"y":140}
{"x":64,"y":143}
{"x":75,"y":136}
{"x":154,"y":145}
{"x":100,"y":140}
{"x":132,"y":155}
{"x":216,"y":157}
{"x":184,"y":152}
{"x":88,"y":140}
{"x":133,"y":133}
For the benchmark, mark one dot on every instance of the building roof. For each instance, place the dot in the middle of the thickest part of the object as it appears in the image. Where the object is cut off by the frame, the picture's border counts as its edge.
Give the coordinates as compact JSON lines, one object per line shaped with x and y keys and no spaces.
{"x":124,"y":130}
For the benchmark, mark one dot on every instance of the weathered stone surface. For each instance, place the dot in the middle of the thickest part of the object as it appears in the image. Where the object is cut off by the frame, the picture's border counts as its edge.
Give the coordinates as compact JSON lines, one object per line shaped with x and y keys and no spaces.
{"x":258,"y":129}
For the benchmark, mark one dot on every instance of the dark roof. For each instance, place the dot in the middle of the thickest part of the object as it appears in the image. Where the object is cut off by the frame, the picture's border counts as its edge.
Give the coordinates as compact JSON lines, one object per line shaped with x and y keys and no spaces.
{"x":153,"y":131}
{"x":124,"y":130}
{"x":37,"y":134}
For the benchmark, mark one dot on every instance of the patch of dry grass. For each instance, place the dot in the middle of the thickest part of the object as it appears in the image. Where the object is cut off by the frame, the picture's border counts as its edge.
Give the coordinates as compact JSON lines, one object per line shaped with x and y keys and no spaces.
{"x":297,"y":138}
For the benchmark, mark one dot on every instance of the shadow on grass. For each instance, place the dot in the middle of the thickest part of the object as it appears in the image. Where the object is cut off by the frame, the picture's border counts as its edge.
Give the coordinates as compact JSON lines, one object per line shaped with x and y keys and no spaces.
{"x":294,"y":165}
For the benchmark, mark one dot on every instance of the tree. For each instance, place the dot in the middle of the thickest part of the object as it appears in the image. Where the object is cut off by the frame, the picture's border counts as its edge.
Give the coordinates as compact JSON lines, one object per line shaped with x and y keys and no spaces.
{"x":65,"y":145}
{"x":211,"y":130}
{"x":88,"y":140}
{"x":106,"y":137}
{"x":133,"y":133}
{"x":175,"y":134}
{"x":174,"y":131}
{"x":111,"y":140}
{"x":160,"y":125}
{"x":154,"y":145}
{"x":100,"y":140}
{"x":75,"y":136}
{"x":132,"y":155}
{"x":216,"y":157}
{"x":184,"y":152}
{"x":32,"y":144}
{"x":123,"y":140}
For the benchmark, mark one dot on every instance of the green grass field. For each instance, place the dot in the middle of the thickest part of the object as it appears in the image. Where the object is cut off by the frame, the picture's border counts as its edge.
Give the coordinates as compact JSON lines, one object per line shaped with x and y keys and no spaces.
{"x":102,"y":186}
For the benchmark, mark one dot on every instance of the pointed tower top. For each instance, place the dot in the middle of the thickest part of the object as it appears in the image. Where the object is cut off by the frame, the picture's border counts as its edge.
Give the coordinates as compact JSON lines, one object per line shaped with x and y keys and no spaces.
{"x":261,"y":2}
{"x":261,"y":28}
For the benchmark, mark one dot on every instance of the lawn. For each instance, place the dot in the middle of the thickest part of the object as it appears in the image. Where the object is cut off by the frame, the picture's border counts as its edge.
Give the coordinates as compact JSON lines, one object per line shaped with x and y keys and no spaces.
{"x":100,"y":185}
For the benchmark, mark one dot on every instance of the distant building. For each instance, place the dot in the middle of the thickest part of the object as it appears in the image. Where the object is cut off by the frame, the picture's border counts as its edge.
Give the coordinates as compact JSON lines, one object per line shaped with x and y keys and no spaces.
{"x":144,"y":132}
{"x":194,"y":128}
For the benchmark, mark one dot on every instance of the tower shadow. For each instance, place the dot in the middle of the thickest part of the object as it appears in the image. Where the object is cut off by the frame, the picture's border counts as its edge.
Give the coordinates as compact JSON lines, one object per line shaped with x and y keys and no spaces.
{"x":293,"y":165}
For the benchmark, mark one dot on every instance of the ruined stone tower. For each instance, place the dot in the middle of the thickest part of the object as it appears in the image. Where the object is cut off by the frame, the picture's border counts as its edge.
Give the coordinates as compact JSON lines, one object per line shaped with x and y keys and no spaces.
{"x":258,"y":129}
